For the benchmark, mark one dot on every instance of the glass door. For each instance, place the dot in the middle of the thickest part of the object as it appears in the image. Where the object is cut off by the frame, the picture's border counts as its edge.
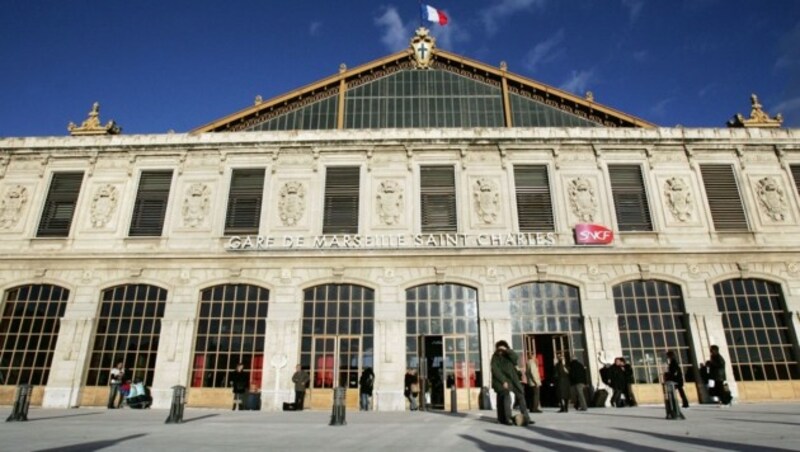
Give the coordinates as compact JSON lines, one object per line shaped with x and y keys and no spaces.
{"x":336,"y":362}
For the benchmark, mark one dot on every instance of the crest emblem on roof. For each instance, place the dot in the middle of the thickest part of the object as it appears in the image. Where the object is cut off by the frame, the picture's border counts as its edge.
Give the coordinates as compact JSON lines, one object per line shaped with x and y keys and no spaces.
{"x":423,"y":44}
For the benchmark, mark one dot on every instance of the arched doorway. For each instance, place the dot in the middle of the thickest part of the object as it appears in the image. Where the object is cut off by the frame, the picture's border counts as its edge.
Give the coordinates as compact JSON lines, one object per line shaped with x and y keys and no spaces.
{"x":336,"y":340}
{"x":443,"y":343}
{"x":545,"y":320}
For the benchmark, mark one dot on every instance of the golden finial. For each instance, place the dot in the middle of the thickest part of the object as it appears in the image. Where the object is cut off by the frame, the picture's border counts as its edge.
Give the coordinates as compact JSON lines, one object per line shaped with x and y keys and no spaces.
{"x":590,"y":96}
{"x":258,"y":100}
{"x":342,"y":68}
{"x":92,"y":125}
{"x":758,"y":117}
{"x":503,"y":66}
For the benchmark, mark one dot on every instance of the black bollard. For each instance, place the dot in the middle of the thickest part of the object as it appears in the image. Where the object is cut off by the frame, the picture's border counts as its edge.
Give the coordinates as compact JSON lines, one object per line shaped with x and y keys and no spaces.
{"x":485,"y":400}
{"x":338,"y":414}
{"x":176,"y":408}
{"x":453,"y":400}
{"x":21,"y":403}
{"x":671,"y":402}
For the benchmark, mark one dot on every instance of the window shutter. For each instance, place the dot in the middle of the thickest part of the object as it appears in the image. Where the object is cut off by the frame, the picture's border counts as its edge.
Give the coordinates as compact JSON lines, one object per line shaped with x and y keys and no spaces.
{"x":59,"y":209}
{"x":630,"y":198}
{"x":534,"y":204}
{"x":796,"y":176}
{"x":724,"y":198}
{"x":340,"y":214}
{"x":438,"y":199}
{"x":151,"y":204}
{"x":244,"y":201}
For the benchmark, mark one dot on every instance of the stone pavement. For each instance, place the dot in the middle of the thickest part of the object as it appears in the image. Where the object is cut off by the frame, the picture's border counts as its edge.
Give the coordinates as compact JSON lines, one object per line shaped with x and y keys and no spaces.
{"x":773,"y":427}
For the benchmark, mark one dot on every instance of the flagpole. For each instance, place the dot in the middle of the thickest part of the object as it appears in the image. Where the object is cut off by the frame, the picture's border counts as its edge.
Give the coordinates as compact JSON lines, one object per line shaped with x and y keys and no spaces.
{"x":419,"y":11}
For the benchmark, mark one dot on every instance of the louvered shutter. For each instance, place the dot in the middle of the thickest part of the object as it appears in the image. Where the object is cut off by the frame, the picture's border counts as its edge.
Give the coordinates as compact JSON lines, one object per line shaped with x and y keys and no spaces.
{"x":151,"y":204}
{"x":630,"y":198}
{"x":796,"y":176}
{"x":340,"y":215}
{"x":244,"y":201}
{"x":438,"y":199}
{"x":724,"y":198}
{"x":59,"y":209}
{"x":534,"y":204}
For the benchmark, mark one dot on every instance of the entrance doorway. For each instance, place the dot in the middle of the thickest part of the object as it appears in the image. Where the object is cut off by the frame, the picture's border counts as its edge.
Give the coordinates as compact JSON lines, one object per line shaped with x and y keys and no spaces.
{"x":545,"y":347}
{"x":335,"y":363}
{"x":444,"y":365}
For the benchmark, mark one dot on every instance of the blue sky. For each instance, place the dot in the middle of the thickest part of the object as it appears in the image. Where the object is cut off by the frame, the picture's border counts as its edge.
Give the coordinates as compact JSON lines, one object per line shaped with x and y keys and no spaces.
{"x":161,"y":65}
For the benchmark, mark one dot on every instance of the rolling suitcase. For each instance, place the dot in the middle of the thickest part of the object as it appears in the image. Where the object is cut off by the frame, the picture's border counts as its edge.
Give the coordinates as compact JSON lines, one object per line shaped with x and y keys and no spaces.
{"x":671,"y":402}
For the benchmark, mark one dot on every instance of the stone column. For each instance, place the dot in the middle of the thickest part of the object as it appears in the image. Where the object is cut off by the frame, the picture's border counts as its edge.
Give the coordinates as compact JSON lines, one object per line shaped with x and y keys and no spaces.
{"x":175,"y":345}
{"x":281,"y":347}
{"x":73,"y":347}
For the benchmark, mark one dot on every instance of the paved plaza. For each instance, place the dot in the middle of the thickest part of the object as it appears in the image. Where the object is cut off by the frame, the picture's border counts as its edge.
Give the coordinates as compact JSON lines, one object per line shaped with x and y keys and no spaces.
{"x":742,"y":427}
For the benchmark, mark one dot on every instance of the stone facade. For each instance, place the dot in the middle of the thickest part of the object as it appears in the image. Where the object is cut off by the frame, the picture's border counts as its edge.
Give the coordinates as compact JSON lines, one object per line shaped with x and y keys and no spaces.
{"x":193,"y":252}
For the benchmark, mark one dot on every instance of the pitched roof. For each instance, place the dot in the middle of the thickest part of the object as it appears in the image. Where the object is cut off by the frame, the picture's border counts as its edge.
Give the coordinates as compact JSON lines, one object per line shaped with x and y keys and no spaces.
{"x":422,"y":55}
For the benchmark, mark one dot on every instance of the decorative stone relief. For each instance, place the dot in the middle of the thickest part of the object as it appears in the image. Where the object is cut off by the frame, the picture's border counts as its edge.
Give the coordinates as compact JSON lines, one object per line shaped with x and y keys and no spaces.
{"x":11,"y":205}
{"x":292,"y":203}
{"x":390,"y":202}
{"x":104,"y":204}
{"x":772,"y":198}
{"x":196,"y":204}
{"x":582,"y":199}
{"x":679,"y":198}
{"x":487,"y":200}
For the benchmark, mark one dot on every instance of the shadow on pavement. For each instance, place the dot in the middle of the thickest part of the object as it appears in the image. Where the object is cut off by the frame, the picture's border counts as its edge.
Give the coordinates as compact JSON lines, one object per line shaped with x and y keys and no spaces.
{"x":706,"y":442}
{"x":489,"y":447}
{"x":586,"y":439}
{"x":66,"y":415}
{"x":198,"y":418}
{"x":94,"y":445}
{"x":758,"y":422}
{"x":539,"y":442}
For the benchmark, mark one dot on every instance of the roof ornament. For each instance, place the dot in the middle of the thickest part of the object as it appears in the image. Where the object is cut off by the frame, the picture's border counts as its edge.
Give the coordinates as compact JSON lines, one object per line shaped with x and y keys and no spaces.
{"x":258,"y":100}
{"x":423,"y":44}
{"x":92,"y":125}
{"x":758,"y":117}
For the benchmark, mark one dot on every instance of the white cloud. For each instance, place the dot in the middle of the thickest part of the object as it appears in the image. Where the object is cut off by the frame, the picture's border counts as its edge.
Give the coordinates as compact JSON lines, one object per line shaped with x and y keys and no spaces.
{"x":314,"y":27}
{"x":660,"y":108}
{"x":396,"y":35}
{"x":578,"y":81}
{"x":634,"y":8}
{"x":789,"y":105}
{"x":544,"y":52}
{"x":505,"y":8}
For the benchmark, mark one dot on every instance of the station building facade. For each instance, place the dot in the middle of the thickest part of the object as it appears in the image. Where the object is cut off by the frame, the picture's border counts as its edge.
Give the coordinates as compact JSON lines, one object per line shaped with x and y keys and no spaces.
{"x":407,"y":213}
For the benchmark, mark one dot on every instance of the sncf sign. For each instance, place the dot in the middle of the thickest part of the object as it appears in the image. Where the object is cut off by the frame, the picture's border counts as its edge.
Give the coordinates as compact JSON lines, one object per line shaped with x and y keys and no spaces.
{"x":593,"y":234}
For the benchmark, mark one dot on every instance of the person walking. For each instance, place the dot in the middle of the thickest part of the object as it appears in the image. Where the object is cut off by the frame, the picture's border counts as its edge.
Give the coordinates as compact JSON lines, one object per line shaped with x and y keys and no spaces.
{"x":115,"y":377}
{"x":577,"y":380}
{"x":505,"y":380}
{"x":675,"y":375}
{"x":627,"y":370}
{"x":238,"y":381}
{"x":718,"y":376}
{"x":365,"y":385}
{"x":411,"y":389}
{"x":533,"y":384}
{"x":618,"y":383}
{"x":300,"y":378}
{"x":563,"y":384}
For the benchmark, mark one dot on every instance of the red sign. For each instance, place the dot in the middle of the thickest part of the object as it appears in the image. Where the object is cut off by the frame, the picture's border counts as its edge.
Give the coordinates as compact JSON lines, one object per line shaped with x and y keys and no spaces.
{"x":593,"y":234}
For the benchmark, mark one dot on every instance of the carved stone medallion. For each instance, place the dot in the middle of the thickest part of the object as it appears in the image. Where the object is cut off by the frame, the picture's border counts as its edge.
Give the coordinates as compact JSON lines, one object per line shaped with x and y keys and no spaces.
{"x":679,"y":198}
{"x":104,"y":204}
{"x":772,"y":198}
{"x":487,"y":200}
{"x":292,"y":203}
{"x":582,"y":199}
{"x":196,"y":204}
{"x":390,"y":202}
{"x":11,"y":205}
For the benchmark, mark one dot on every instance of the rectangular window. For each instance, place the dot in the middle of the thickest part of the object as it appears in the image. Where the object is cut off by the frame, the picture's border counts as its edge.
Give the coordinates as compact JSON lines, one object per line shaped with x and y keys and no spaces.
{"x":151,"y":204}
{"x":340,"y":215}
{"x":438,"y":199}
{"x":534,"y":204}
{"x":796,"y":176}
{"x":59,"y":208}
{"x":724,"y":198}
{"x":630,"y":198}
{"x":244,"y":201}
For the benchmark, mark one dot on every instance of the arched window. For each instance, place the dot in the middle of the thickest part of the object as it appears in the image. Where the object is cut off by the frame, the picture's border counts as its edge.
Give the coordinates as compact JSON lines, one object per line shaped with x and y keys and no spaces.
{"x":546,"y":319}
{"x":231,"y":329}
{"x":442,"y":339}
{"x":337,"y":337}
{"x":651,"y":320}
{"x":28,"y":331}
{"x":755,"y":322}
{"x":127,"y":331}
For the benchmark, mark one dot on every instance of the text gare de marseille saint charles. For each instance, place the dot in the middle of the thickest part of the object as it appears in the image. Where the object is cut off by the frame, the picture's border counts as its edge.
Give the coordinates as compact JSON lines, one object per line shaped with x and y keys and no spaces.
{"x":345,"y":241}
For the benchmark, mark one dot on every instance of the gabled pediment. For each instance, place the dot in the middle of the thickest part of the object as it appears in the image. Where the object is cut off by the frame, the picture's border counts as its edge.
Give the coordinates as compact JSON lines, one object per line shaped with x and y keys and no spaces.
{"x":423,"y":87}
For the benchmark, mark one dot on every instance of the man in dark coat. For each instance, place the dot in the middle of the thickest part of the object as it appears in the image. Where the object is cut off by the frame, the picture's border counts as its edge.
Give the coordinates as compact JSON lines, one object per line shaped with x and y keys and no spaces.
{"x":239,"y":380}
{"x":563,"y":384}
{"x":300,"y":380}
{"x":675,"y":375}
{"x":618,"y":383}
{"x":505,"y":380}
{"x":717,"y":373}
{"x":577,"y":380}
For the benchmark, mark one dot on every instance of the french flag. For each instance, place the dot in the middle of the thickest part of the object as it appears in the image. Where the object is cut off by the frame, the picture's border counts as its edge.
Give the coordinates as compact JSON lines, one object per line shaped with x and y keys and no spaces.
{"x":432,"y":14}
